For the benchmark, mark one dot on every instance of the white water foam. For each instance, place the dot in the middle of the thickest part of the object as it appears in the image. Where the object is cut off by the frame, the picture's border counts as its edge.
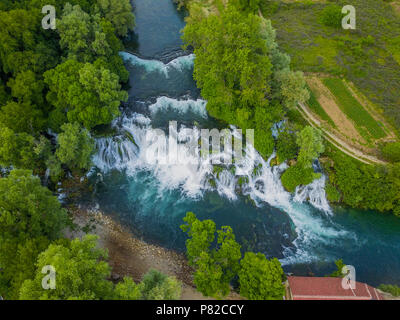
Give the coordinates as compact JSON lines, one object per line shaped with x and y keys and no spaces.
{"x":178,"y":64}
{"x":182,"y":106}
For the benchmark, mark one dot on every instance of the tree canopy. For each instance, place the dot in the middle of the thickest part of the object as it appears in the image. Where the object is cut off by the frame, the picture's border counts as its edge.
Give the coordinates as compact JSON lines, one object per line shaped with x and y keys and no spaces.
{"x":261,"y":279}
{"x":30,"y":217}
{"x":75,"y":146}
{"x":215,"y":267}
{"x":84,"y":93}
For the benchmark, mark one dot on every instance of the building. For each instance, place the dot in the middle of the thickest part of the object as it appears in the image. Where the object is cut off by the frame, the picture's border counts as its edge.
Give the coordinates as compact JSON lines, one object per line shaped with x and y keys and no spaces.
{"x":328,"y":288}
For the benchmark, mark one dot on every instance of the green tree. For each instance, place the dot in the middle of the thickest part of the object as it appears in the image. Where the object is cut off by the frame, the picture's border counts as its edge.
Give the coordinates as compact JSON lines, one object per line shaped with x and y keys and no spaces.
{"x":339,"y":267}
{"x":332,"y":16}
{"x":293,"y":87}
{"x":391,"y":151}
{"x":88,"y":95}
{"x":26,"y":87}
{"x":286,"y":146}
{"x":16,"y":149}
{"x":261,"y":279}
{"x":127,"y":290}
{"x":3,"y":93}
{"x":76,"y":33}
{"x":75,"y":146}
{"x":311,"y":146}
{"x":298,"y":175}
{"x":30,"y":217}
{"x":215,"y":267}
{"x":22,"y":117}
{"x":119,"y":13}
{"x":158,"y":286}
{"x":248,"y":5}
{"x":232,"y":66}
{"x":392,"y":289}
{"x":81,"y":272}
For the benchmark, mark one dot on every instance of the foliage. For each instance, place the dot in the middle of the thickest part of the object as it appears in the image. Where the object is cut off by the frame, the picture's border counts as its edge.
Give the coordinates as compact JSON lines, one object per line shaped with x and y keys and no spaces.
{"x":248,"y":5}
{"x":119,"y":13}
{"x":332,"y":16}
{"x":293,"y":87}
{"x":311,"y":145}
{"x":332,"y":194}
{"x":127,"y":289}
{"x":21,"y":117}
{"x":338,"y":272}
{"x":81,"y":272}
{"x":87,"y":94}
{"x":16,"y":149}
{"x":392,"y":289}
{"x":158,"y":286}
{"x":30,"y":217}
{"x":391,"y":151}
{"x":233,"y":69}
{"x":286,"y":146}
{"x":75,"y":146}
{"x":362,"y":185}
{"x":215,"y":267}
{"x":261,"y":279}
{"x":298,"y":175}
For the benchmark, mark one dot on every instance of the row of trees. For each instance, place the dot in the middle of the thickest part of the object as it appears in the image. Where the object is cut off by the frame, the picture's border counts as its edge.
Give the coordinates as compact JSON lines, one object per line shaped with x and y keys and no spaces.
{"x":218,"y":261}
{"x":361,"y":185}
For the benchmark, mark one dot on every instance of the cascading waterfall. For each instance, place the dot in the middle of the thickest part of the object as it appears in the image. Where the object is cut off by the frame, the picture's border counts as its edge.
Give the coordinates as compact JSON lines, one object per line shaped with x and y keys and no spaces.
{"x":178,"y":64}
{"x":129,"y":152}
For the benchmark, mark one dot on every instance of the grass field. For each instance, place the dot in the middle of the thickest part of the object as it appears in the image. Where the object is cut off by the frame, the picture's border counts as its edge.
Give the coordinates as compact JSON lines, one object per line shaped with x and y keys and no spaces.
{"x":369,"y":56}
{"x":315,"y":106}
{"x":353,"y":109}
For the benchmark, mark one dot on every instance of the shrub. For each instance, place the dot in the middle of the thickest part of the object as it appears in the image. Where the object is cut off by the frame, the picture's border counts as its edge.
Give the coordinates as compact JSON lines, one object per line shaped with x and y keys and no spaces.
{"x":297,"y":175}
{"x":392,"y":289}
{"x":332,"y":16}
{"x":391,"y":151}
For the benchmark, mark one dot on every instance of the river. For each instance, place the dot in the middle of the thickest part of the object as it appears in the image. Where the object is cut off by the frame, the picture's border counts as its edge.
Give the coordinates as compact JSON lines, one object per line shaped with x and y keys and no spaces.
{"x":302,"y":230}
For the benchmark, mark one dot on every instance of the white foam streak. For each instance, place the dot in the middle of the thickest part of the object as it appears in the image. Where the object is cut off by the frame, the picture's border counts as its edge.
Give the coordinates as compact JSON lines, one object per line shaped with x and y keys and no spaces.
{"x":178,"y":64}
{"x":182,"y":106}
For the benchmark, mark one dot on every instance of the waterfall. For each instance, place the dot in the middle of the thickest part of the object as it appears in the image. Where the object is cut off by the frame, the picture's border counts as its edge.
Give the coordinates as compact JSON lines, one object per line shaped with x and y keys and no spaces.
{"x":178,"y":64}
{"x":182,"y":106}
{"x":133,"y":152}
{"x":314,"y":193}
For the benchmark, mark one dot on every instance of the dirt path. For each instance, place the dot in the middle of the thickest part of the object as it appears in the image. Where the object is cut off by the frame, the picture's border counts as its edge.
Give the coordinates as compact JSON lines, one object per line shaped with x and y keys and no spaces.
{"x":336,"y":141}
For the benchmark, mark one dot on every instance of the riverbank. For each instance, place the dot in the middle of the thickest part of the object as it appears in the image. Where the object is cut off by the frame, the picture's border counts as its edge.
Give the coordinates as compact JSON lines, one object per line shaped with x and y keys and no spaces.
{"x":131,"y":256}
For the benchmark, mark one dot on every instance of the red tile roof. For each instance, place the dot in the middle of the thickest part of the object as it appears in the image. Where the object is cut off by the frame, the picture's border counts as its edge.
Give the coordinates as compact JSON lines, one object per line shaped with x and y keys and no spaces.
{"x":327,"y":288}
